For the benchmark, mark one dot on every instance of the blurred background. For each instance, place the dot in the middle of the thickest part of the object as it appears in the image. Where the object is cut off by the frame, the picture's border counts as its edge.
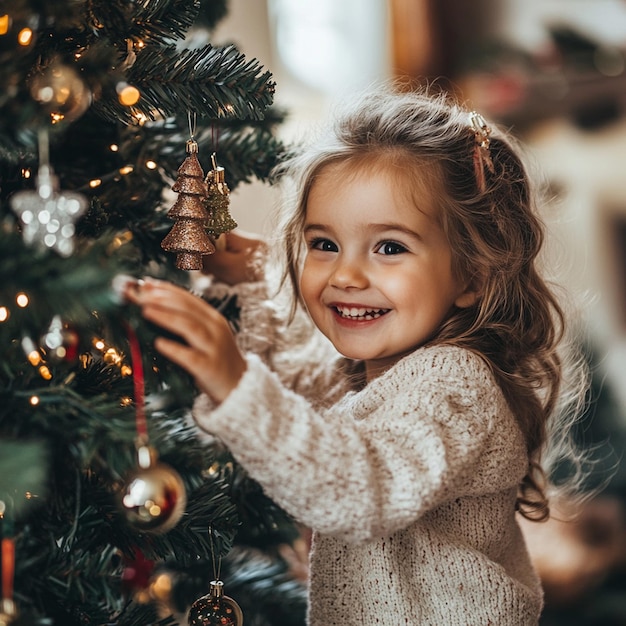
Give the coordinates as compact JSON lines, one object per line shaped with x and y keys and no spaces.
{"x":554,"y":73}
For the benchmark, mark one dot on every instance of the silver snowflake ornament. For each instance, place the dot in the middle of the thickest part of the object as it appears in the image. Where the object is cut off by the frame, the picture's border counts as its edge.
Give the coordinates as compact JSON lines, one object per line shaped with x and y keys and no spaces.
{"x":47,"y":214}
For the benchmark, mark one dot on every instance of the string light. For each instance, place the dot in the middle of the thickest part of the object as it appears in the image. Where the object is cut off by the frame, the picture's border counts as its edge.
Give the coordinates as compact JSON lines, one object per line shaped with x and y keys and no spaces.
{"x":122,"y":239}
{"x":140,"y":118}
{"x":127,"y":169}
{"x":25,"y":36}
{"x":127,"y":94}
{"x":114,"y":147}
{"x":4,"y":314}
{"x":34,"y":358}
{"x":44,"y":372}
{"x":151,"y":165}
{"x":96,"y":182}
{"x":5,"y":21}
{"x":98,"y":344}
{"x":34,"y":400}
{"x":22,"y":300}
{"x":112,"y":357}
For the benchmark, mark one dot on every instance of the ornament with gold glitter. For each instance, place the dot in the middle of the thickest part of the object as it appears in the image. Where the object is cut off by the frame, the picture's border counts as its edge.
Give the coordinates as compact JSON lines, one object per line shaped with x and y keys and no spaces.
{"x":215,"y":608}
{"x":189,"y":237}
{"x":217,"y":202}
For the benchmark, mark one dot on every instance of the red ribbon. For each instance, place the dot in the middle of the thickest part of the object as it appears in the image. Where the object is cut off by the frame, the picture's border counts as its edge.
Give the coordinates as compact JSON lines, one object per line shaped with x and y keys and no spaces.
{"x":8,"y":567}
{"x":138,"y":385}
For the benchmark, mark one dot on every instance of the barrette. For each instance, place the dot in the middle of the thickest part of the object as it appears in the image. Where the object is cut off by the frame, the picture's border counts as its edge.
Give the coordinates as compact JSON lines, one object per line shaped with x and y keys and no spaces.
{"x":482,"y":153}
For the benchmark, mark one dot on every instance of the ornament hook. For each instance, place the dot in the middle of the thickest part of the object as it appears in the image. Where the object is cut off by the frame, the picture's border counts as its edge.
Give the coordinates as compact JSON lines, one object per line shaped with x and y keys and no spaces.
{"x":192,"y":120}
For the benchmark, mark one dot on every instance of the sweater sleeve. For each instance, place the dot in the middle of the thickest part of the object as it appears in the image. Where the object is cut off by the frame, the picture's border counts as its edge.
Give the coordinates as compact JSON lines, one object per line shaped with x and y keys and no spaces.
{"x":430,"y":429}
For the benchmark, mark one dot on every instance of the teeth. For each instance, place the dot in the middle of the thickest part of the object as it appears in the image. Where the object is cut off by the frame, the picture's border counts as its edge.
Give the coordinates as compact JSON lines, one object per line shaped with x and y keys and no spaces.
{"x":361,"y":314}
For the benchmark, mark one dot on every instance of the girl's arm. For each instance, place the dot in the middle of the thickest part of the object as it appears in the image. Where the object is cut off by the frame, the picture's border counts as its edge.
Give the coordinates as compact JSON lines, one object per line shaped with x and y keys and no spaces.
{"x":431,"y":429}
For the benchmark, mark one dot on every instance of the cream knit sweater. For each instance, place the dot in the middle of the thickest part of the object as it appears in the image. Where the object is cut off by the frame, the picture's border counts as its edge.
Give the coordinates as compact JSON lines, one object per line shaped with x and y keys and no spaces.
{"x":408,"y":483}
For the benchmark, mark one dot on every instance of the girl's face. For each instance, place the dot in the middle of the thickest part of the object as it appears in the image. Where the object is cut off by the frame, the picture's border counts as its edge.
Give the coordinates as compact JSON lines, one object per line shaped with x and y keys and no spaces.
{"x":377,"y":278}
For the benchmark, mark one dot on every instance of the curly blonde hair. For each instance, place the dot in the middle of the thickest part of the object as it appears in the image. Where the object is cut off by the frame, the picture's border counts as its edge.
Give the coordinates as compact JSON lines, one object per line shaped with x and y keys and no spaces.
{"x":517,"y":323}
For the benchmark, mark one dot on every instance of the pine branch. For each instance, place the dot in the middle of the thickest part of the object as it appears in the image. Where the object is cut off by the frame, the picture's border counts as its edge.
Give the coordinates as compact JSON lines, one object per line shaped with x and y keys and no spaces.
{"x":246,"y":155}
{"x":162,"y":20}
{"x":69,"y":287}
{"x":214,"y":82}
{"x":74,"y":418}
{"x":148,"y":21}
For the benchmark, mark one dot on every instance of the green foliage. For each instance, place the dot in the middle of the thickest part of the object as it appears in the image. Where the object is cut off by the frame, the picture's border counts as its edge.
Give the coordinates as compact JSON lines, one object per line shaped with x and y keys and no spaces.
{"x":68,"y":422}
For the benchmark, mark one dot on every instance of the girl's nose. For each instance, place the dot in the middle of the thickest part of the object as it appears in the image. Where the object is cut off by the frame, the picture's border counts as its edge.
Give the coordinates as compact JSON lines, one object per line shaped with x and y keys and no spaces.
{"x":349,"y":274}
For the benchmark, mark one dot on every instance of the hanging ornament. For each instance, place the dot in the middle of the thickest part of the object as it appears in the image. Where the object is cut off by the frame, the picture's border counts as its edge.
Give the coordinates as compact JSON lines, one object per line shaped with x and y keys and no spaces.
{"x":47,"y":214}
{"x":215,"y":609}
{"x":154,"y":497}
{"x":218,"y":201}
{"x":60,"y":342}
{"x":188,"y":237}
{"x":61,"y":92}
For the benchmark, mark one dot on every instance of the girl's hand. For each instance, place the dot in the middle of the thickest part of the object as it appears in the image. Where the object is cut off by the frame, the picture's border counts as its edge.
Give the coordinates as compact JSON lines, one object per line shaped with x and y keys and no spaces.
{"x":238,"y":260}
{"x":207,"y":349}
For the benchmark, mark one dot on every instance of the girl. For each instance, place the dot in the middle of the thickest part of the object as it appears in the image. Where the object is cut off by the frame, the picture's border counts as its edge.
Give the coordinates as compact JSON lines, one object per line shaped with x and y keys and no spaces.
{"x":409,"y":441}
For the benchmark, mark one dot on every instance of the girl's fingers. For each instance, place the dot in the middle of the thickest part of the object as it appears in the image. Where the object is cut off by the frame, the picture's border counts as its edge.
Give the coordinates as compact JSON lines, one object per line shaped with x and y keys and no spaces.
{"x":176,"y":352}
{"x":207,"y":349}
{"x":169,"y":297}
{"x":215,"y":373}
{"x":198,"y":331}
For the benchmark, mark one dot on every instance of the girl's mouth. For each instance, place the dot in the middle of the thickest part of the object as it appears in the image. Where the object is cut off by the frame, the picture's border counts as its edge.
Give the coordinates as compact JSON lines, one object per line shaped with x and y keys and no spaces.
{"x":359,"y":313}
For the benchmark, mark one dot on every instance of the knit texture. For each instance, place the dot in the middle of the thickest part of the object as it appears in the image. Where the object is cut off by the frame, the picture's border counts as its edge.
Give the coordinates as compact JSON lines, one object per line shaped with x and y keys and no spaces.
{"x":408,"y":483}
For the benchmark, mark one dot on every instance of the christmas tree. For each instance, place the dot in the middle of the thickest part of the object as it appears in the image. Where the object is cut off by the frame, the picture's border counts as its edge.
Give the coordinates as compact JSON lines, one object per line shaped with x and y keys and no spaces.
{"x":111,"y":512}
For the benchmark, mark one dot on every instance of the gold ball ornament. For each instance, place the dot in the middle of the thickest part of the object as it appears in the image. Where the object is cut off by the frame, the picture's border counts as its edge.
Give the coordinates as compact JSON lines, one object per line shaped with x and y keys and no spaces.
{"x":215,"y":609}
{"x":61,"y":92}
{"x":154,"y":497}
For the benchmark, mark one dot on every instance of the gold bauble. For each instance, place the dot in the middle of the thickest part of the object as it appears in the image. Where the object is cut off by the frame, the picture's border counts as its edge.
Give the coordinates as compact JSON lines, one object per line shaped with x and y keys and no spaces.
{"x":61,"y":92}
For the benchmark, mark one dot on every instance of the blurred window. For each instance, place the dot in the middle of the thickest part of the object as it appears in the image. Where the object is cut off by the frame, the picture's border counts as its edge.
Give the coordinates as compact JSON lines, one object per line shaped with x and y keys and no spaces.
{"x":331,"y":45}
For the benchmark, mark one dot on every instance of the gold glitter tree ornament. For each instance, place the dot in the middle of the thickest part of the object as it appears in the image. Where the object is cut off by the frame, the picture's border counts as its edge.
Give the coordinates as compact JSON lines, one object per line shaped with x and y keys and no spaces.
{"x":189,"y":238}
{"x":217,"y":203}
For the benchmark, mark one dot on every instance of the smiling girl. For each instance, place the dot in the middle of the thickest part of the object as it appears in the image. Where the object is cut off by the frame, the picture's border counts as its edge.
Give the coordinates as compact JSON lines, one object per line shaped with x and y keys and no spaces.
{"x":411,"y":439}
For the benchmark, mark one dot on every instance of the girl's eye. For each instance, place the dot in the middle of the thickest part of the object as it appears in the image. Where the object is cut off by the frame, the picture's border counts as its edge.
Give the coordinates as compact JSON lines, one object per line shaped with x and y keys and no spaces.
{"x":326,"y":245}
{"x":390,"y":247}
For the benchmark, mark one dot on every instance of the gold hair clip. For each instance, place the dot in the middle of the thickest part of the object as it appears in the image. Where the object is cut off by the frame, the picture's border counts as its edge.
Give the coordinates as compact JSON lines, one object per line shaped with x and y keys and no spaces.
{"x":482,"y":154}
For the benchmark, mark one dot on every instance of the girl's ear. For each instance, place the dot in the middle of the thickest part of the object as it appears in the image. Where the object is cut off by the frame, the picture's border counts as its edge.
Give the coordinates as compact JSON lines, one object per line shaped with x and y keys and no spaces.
{"x":467,"y":299}
{"x":471,"y":293}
